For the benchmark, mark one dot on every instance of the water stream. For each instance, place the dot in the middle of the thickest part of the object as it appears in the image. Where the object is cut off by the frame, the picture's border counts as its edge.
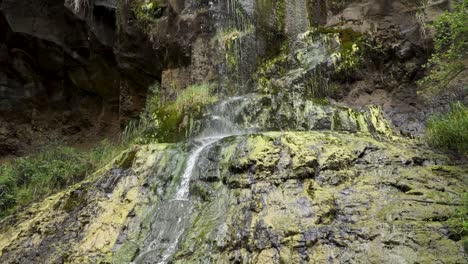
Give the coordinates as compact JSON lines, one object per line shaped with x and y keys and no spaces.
{"x":173,"y":215}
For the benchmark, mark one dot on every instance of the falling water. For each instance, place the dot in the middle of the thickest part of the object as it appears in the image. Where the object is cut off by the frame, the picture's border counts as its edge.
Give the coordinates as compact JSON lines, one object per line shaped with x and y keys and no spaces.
{"x":183,"y":191}
{"x":172,"y":216}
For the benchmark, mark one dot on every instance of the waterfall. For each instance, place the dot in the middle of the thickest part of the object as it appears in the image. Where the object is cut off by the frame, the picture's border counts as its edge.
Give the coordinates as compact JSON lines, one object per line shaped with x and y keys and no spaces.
{"x":239,"y":46}
{"x":172,"y":216}
{"x":183,"y":191}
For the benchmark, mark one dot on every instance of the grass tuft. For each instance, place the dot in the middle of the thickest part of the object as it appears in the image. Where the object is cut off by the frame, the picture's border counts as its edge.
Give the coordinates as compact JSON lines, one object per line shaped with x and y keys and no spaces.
{"x":29,"y":179}
{"x":449,"y":131}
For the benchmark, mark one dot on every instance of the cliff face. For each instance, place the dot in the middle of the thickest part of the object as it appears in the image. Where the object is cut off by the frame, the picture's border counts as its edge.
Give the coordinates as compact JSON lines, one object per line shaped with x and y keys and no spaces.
{"x":65,"y":77}
{"x":79,"y":69}
{"x":278,"y":170}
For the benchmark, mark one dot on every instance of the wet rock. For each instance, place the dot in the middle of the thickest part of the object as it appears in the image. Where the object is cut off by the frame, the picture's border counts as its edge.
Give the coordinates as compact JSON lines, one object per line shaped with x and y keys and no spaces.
{"x":358,"y":195}
{"x":405,"y":51}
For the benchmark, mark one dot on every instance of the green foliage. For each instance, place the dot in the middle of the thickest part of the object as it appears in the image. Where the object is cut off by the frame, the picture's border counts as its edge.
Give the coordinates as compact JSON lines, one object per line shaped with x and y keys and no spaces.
{"x":451,"y":50}
{"x":168,"y":120}
{"x":29,"y":179}
{"x":189,"y":104}
{"x":449,"y":131}
{"x":144,"y":129}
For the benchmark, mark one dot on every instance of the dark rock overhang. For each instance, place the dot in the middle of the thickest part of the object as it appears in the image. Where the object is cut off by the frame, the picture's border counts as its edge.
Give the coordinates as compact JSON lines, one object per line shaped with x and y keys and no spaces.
{"x":112,"y":4}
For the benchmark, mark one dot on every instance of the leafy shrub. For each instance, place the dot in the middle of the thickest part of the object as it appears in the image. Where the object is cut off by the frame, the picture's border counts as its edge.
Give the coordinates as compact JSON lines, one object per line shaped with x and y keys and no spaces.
{"x":449,"y":131}
{"x":451,"y":50}
{"x":29,"y":179}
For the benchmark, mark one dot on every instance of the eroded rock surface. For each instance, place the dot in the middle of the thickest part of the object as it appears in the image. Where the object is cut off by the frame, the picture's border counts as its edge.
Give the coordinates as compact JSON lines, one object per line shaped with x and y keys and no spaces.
{"x":63,"y":78}
{"x":291,"y":197}
{"x":340,"y":187}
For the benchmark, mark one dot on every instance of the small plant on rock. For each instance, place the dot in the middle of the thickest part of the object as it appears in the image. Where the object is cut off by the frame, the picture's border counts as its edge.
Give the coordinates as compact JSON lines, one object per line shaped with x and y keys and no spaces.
{"x":29,"y":179}
{"x":449,"y":131}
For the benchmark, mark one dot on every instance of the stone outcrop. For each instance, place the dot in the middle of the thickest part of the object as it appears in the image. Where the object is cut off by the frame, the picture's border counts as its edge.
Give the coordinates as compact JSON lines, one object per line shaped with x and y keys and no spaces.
{"x":404,"y":34}
{"x":79,"y":69}
{"x":72,"y":72}
{"x":295,"y":197}
{"x":312,"y":181}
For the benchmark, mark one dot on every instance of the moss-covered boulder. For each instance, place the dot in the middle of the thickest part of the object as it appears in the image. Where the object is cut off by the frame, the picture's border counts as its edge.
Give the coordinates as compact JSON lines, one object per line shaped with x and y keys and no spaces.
{"x":275,"y":197}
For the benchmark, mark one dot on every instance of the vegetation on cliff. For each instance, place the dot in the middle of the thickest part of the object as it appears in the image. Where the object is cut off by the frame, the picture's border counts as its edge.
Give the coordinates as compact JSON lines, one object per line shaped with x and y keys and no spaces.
{"x":302,"y":178}
{"x":29,"y":179}
{"x":169,"y":119}
{"x":450,"y":59}
{"x":294,"y":192}
{"x":449,"y":131}
{"x":451,"y":50}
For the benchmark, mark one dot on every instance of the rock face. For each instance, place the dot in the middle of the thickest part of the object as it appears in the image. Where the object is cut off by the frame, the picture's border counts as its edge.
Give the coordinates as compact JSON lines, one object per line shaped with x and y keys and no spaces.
{"x":307,"y":181}
{"x":61,"y":86}
{"x":65,"y":77}
{"x":80,"y":69}
{"x":274,"y":197}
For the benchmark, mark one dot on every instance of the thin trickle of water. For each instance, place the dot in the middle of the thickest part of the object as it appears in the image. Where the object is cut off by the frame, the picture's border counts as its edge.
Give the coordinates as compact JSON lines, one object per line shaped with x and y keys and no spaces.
{"x":183,"y":191}
{"x":166,"y":231}
{"x":224,"y":120}
{"x":173,"y":215}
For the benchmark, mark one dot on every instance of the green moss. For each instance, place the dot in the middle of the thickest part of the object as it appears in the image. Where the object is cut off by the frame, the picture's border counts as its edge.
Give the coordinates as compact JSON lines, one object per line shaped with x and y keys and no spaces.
{"x":148,"y":12}
{"x":170,"y":120}
{"x":458,"y":222}
{"x":350,"y":55}
{"x":76,"y":199}
{"x":358,"y":118}
{"x":270,"y":19}
{"x":271,"y":11}
{"x":281,"y":14}
{"x":125,"y":253}
{"x":261,"y":152}
{"x":274,"y":66}
{"x":348,"y":37}
{"x":336,"y":121}
{"x":321,"y":101}
{"x":202,"y":190}
{"x":231,"y":47}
